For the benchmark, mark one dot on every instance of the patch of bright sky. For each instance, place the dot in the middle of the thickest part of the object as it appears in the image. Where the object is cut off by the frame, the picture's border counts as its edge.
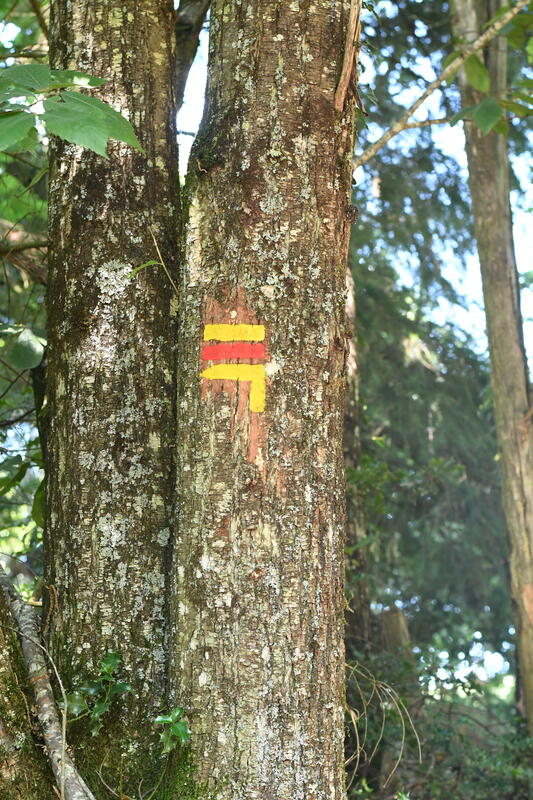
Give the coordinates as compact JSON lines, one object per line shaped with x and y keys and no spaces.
{"x":193,"y":104}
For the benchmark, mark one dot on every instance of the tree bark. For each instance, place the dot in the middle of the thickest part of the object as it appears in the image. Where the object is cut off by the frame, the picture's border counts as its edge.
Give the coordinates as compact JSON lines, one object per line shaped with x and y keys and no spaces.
{"x":258,"y":600}
{"x":110,"y":381}
{"x":488,"y":166}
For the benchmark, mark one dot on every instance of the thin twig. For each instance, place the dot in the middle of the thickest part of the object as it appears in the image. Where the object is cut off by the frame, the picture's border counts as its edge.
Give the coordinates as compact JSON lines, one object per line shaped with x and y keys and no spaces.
{"x":167,"y":273}
{"x":6,"y":423}
{"x":37,"y":10}
{"x":16,"y":248}
{"x":426,"y":123}
{"x":350,"y":53}
{"x":450,"y":70}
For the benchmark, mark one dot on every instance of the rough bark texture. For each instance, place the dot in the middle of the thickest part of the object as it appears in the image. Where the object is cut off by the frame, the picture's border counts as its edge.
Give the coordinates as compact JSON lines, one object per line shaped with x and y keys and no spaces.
{"x":110,"y":379}
{"x":24,"y":774}
{"x":488,"y":166}
{"x":258,"y":635}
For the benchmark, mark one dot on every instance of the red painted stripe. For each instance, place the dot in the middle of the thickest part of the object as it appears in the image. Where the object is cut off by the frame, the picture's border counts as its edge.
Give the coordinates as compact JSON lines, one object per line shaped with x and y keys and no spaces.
{"x":219,"y":352}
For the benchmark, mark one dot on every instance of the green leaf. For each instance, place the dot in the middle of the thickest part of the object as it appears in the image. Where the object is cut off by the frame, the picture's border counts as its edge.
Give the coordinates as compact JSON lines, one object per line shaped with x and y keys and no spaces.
{"x":72,"y":77}
{"x":163,"y":719}
{"x":99,"y":709}
{"x":14,"y":127}
{"x":477,"y":74}
{"x":502,"y":127}
{"x":516,"y":37}
{"x":175,"y":715}
{"x":16,"y":469}
{"x":38,"y":509}
{"x":91,"y":688}
{"x":449,"y":58}
{"x":181,"y":731}
{"x":169,"y":741}
{"x":96,"y":726}
{"x":38,"y":78}
{"x":464,"y":112}
{"x":26,"y":352}
{"x":526,"y":98}
{"x":134,"y":272}
{"x":529,"y":51}
{"x":487,"y":114}
{"x":7,"y":329}
{"x":118,"y":689}
{"x":76,"y":704}
{"x":87,"y":121}
{"x":31,"y":77}
{"x":110,"y":662}
{"x":517,"y":109}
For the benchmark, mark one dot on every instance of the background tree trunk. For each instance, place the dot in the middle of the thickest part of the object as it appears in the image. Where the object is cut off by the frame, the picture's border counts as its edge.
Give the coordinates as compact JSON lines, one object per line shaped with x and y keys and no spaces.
{"x":110,"y":380}
{"x":258,"y":634}
{"x":488,"y":166}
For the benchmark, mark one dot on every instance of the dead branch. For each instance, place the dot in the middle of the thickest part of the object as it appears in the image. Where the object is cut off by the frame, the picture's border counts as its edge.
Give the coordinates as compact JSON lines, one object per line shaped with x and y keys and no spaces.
{"x":71,"y":784}
{"x":350,"y":53}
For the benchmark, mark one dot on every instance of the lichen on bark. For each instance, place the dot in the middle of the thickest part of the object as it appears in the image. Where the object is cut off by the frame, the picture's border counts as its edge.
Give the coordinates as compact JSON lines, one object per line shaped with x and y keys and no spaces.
{"x":257,"y":603}
{"x":110,"y":379}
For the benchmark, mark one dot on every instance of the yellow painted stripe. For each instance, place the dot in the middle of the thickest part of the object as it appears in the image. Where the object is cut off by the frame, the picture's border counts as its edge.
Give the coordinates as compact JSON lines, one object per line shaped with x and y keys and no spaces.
{"x":255,"y":373}
{"x":234,"y":333}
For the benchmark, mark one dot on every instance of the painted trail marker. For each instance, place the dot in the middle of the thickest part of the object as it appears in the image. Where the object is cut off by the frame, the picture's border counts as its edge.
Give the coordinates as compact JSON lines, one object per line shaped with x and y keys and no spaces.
{"x":236,"y":342}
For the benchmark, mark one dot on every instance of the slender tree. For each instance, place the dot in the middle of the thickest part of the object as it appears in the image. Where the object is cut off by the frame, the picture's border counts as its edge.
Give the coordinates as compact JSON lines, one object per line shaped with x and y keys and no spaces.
{"x":488,"y":166}
{"x":110,"y":378}
{"x":258,"y":600}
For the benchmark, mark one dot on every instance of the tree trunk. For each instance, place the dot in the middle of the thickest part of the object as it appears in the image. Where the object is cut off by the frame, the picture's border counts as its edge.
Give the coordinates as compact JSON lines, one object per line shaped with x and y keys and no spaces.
{"x":258,"y":630}
{"x":110,"y":381}
{"x":488,"y":166}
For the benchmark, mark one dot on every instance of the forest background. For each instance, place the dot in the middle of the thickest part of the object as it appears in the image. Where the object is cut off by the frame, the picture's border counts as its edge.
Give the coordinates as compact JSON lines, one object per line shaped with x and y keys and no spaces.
{"x":436,"y":660}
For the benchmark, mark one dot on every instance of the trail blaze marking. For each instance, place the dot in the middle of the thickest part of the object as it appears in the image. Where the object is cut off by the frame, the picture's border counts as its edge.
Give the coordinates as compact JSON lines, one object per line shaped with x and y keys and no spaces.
{"x":239,"y":338}
{"x":234,"y":333}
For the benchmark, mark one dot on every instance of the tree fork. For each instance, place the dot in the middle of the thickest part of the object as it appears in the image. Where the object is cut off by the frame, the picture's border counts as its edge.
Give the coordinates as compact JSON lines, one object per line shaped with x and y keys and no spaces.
{"x":258,"y":603}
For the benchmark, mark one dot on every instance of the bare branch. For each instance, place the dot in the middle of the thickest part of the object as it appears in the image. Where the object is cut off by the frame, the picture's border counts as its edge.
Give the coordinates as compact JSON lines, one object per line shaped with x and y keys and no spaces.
{"x":426,"y":123}
{"x":37,"y":10}
{"x":7,"y":423}
{"x":450,"y":70}
{"x":72,"y":785}
{"x":29,"y":265}
{"x":17,"y":248}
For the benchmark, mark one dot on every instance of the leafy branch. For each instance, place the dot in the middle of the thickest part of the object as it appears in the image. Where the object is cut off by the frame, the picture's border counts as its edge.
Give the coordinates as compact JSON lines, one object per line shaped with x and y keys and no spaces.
{"x":33,"y":93}
{"x":446,"y":73}
{"x":93,"y":699}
